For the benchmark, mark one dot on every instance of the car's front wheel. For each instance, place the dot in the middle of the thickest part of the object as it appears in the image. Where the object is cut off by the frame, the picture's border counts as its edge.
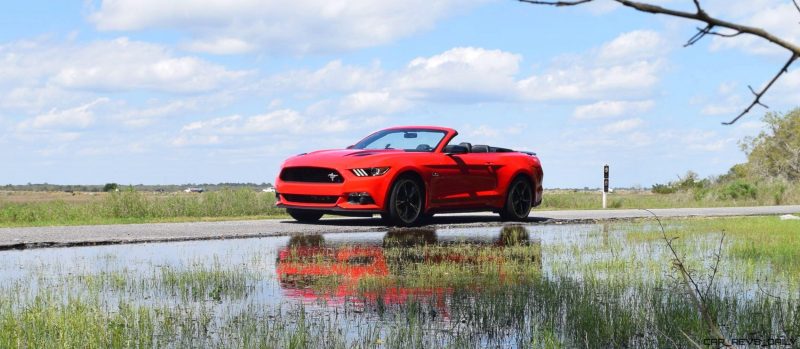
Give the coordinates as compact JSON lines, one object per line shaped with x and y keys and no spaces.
{"x":405,"y":204}
{"x":305,"y":216}
{"x":519,"y":200}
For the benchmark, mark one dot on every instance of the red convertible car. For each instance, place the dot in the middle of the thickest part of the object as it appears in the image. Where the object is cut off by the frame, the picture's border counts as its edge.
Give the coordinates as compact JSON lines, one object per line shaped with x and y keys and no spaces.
{"x":407,"y":174}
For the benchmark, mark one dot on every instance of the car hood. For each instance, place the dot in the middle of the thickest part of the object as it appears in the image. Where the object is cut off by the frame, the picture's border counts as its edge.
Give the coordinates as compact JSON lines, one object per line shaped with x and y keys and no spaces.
{"x":330,"y":158}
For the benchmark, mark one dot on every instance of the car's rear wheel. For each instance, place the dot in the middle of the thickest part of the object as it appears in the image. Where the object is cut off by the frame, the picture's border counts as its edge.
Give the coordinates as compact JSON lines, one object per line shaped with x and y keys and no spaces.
{"x":405,"y":204}
{"x":519,"y":200}
{"x":305,"y":216}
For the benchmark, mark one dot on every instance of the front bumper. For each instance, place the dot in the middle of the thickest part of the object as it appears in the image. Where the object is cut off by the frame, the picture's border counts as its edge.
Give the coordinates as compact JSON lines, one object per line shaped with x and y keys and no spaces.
{"x":298,"y":195}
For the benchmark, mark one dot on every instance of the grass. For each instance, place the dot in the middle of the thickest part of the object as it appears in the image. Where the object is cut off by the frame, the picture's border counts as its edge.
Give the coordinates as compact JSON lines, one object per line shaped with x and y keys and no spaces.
{"x":765,"y":240}
{"x":136,"y":207}
{"x":622,"y":199}
{"x":21,"y":209}
{"x":596,"y":286}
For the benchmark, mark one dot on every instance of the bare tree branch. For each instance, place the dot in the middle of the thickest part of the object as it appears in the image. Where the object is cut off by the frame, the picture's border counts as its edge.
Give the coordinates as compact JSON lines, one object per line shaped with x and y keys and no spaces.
{"x":724,"y":35}
{"x":697,"y":4}
{"x":692,"y":288}
{"x":711,"y":23}
{"x":556,"y":3}
{"x":704,"y":17}
{"x":700,"y":34}
{"x":718,"y":259}
{"x":758,"y":95}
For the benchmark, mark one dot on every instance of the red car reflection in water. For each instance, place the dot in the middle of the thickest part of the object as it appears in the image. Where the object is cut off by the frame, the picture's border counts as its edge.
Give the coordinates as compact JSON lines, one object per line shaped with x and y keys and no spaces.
{"x":305,"y":264}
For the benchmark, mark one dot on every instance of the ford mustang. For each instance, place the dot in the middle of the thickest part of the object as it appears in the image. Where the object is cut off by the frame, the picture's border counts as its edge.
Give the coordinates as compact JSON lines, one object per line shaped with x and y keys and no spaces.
{"x":407,"y":174}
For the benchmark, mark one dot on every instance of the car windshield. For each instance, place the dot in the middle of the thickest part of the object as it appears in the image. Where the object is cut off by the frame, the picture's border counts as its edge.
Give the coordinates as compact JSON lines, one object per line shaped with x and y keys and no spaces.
{"x":408,"y":140}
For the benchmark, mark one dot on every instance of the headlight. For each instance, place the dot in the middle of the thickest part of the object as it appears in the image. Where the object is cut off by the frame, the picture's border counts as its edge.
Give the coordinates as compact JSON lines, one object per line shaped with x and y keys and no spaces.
{"x":370,"y":171}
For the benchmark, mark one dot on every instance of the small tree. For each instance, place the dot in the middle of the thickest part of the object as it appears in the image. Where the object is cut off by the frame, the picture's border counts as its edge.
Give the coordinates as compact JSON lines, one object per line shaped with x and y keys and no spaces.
{"x":110,"y":187}
{"x":775,"y":152}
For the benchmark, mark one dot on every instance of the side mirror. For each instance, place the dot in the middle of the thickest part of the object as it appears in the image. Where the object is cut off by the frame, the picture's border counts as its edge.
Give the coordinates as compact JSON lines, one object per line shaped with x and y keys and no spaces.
{"x":453,"y":149}
{"x":350,"y":146}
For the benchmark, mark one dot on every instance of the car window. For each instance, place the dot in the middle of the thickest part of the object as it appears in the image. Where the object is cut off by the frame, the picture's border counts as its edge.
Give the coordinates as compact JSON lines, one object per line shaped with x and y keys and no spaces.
{"x":408,"y":140}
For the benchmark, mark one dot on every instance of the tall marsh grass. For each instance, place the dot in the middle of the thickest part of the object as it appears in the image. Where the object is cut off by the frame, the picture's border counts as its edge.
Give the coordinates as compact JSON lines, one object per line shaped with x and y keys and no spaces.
{"x":609,"y":287}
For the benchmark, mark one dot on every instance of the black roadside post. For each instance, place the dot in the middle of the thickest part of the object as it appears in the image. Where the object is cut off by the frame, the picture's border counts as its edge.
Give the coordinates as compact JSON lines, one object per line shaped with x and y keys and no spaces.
{"x":605,"y":184}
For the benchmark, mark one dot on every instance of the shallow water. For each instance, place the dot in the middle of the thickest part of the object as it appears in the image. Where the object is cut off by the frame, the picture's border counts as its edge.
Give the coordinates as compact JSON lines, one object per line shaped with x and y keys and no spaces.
{"x":326,"y":275}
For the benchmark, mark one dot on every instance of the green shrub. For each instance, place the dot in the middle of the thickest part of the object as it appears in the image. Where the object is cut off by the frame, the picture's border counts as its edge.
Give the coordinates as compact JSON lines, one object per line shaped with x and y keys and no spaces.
{"x":109,"y":187}
{"x":738,"y":189}
{"x":700,"y":193}
{"x":663,"y":189}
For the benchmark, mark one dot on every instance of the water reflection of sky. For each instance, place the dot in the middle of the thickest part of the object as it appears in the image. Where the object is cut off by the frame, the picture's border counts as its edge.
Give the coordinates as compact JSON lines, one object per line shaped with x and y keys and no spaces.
{"x":565,"y":249}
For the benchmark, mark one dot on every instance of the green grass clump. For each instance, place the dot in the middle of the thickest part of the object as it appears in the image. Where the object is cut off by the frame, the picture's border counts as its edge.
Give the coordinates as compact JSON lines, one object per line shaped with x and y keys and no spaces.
{"x":754,"y":240}
{"x":45,"y":322}
{"x":205,"y":283}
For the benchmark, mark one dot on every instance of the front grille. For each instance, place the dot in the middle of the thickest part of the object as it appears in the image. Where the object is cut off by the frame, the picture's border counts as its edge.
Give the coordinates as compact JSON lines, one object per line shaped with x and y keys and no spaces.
{"x":310,"y":199}
{"x":311,"y":174}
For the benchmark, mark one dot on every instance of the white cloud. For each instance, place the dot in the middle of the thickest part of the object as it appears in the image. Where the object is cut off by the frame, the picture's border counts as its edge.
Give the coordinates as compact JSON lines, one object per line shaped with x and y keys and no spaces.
{"x":480,"y":133}
{"x":187,"y":140}
{"x":220,"y":46}
{"x":631,"y":46}
{"x":787,"y":87}
{"x":139,"y":117}
{"x":726,"y":102}
{"x":484,"y":131}
{"x":629,"y":67}
{"x":108,"y":65}
{"x":625,"y":67}
{"x":611,"y":108}
{"x":703,"y":140}
{"x":465,"y":73}
{"x":622,"y":125}
{"x":212,"y":124}
{"x":777,"y":17}
{"x":233,"y":26}
{"x":333,"y":77}
{"x":278,"y":122}
{"x":74,"y":118}
{"x":122,"y":64}
{"x":372,"y":102}
{"x":582,"y":82}
{"x":35,"y":98}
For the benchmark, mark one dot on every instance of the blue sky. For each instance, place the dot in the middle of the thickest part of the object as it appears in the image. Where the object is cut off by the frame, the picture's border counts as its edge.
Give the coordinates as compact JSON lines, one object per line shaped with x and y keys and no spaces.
{"x":143,"y":91}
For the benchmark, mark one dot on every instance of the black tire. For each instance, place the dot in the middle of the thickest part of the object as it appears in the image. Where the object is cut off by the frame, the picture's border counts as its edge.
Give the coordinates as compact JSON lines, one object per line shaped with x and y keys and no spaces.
{"x":519,"y":200}
{"x":305,"y":216}
{"x":406,"y":203}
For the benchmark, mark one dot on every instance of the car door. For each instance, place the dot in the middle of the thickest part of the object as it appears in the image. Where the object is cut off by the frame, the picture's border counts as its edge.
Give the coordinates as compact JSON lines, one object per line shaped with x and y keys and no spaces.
{"x":448,"y":181}
{"x":481,"y":178}
{"x":462,"y":180}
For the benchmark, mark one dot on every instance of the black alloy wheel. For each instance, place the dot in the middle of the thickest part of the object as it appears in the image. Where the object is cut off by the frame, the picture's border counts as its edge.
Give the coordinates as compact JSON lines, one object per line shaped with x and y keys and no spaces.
{"x":405,"y":203}
{"x":518,"y":201}
{"x":304,"y":216}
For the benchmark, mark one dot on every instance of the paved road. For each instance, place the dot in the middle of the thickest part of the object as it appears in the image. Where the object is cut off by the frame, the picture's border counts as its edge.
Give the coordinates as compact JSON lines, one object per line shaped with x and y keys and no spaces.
{"x":20,"y":238}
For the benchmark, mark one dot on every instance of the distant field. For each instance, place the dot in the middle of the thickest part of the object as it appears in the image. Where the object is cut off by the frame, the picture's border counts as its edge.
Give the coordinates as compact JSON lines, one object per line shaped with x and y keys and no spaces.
{"x":30,"y":208}
{"x":581,"y":200}
{"x":19,"y":208}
